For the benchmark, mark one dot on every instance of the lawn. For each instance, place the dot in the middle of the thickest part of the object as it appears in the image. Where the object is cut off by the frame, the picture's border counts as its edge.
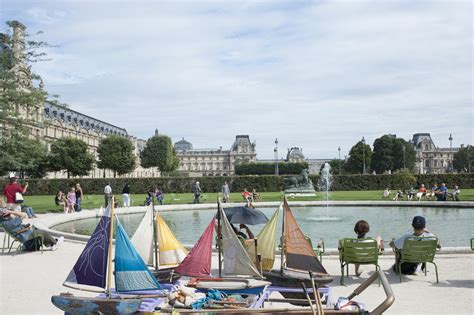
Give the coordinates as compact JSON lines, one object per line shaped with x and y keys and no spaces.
{"x":42,"y":204}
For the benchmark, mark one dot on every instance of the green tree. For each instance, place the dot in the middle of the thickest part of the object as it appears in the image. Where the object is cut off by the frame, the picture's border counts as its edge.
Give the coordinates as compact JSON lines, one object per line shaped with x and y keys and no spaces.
{"x":463,"y":160}
{"x":404,"y":156}
{"x":116,"y":153}
{"x":404,"y":179}
{"x":338,"y":167}
{"x":359,"y":153}
{"x":71,"y":155}
{"x":392,"y":154}
{"x":24,"y":155}
{"x":159,"y":152}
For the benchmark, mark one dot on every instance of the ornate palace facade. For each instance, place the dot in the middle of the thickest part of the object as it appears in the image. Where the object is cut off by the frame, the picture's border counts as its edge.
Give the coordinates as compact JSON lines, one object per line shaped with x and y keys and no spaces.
{"x":431,"y":159}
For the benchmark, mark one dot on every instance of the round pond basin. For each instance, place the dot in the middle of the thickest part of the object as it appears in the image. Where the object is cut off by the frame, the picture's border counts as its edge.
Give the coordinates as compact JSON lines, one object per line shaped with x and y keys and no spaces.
{"x":453,"y":226}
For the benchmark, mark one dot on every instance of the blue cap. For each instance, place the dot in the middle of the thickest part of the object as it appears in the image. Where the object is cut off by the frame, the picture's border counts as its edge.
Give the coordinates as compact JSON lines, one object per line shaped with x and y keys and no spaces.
{"x":419,"y":222}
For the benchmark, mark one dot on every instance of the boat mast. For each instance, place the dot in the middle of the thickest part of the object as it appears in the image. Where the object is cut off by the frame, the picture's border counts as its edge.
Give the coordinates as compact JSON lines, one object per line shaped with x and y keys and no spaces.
{"x":282,"y":238}
{"x":219,"y":236}
{"x":155,"y":233}
{"x":111,"y":239}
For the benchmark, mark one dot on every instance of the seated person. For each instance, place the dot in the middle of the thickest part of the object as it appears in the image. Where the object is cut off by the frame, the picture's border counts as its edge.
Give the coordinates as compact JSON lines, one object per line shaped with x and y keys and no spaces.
{"x":455,"y":193}
{"x":29,"y":211}
{"x":419,"y":230}
{"x":432,"y":192}
{"x":442,"y":192}
{"x":421,"y":192}
{"x":410,"y":193}
{"x":29,"y":236}
{"x":60,"y":199}
{"x":398,"y":195}
{"x":246,"y":195}
{"x":160,"y":196}
{"x":386,"y":193}
{"x":361,"y":228}
{"x":255,"y":195}
{"x":149,"y":197}
{"x":246,"y":239}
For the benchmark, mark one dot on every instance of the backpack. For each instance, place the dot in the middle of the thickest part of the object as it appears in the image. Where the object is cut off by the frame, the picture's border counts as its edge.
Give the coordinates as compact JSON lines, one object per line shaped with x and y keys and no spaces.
{"x":32,"y":245}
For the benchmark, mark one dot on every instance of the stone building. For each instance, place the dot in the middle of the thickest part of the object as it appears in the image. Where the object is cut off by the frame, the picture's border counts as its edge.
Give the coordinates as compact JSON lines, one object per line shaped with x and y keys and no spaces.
{"x":50,"y":121}
{"x":431,"y":159}
{"x":214,"y":162}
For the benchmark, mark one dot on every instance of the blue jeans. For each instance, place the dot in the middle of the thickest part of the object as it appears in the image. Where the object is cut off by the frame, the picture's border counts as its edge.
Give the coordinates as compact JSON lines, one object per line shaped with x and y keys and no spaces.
{"x":78,"y":204}
{"x":29,"y":211}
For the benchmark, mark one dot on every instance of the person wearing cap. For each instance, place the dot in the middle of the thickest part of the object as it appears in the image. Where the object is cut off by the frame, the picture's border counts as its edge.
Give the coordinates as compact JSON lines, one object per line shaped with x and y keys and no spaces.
{"x":10,"y":190}
{"x":419,"y":230}
{"x":197,"y":192}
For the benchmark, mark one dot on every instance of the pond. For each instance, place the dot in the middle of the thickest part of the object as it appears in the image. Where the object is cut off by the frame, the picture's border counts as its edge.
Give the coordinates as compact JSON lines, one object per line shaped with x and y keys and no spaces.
{"x":453,"y":226}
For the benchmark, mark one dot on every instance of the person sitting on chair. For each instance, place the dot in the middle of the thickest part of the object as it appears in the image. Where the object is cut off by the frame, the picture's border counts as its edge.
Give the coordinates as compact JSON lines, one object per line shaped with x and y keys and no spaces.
{"x":386,"y":193}
{"x":455,"y":193}
{"x":419,"y":230}
{"x":246,"y":195}
{"x":29,"y":236}
{"x":398,"y":195}
{"x":421,"y":192}
{"x":255,"y":195}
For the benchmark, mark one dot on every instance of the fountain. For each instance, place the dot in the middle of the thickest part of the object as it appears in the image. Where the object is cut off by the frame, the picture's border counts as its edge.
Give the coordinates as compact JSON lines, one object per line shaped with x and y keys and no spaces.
{"x":324,"y":184}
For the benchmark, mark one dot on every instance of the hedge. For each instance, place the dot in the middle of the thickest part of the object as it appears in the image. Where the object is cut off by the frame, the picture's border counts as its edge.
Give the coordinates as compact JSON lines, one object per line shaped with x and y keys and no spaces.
{"x":262,"y":183}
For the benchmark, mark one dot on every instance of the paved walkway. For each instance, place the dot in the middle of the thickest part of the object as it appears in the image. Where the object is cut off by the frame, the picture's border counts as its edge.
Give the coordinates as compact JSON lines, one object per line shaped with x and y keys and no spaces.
{"x":27,"y":281}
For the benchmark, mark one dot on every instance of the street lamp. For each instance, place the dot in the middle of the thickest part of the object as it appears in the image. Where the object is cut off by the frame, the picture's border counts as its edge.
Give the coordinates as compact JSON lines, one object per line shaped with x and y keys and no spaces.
{"x":339,"y":149}
{"x":403,"y":148}
{"x":276,"y":156}
{"x":363,"y":155}
{"x":450,"y":160}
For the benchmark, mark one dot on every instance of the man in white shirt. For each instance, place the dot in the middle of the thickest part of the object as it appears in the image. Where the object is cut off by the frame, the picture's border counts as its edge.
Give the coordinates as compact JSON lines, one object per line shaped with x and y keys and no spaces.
{"x":107,"y":193}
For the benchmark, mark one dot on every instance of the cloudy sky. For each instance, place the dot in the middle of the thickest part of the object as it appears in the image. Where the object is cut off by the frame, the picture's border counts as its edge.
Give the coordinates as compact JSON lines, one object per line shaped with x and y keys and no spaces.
{"x":314,"y":74}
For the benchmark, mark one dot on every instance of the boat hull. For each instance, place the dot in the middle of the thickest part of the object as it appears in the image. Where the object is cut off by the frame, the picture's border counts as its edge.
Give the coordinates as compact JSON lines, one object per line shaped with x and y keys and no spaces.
{"x":92,"y":305}
{"x":230,"y":285}
{"x":167,"y":275}
{"x":294,"y":278}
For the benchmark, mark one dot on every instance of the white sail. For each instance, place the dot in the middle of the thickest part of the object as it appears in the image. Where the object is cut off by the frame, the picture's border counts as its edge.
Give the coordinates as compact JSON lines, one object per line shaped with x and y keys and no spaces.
{"x":236,"y":259}
{"x":143,"y":238}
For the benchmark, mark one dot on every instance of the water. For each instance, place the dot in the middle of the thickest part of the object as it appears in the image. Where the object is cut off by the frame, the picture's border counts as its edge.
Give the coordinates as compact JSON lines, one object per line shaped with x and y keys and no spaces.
{"x":324,"y":184}
{"x":453,"y":226}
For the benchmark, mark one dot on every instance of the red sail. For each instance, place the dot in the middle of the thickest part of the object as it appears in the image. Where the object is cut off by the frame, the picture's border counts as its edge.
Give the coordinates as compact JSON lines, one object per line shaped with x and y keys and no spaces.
{"x":299,"y":253}
{"x":198,"y":262}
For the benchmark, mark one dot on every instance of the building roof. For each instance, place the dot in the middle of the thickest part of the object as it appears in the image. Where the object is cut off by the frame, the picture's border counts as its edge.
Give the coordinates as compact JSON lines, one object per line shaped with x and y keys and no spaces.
{"x":183,"y":145}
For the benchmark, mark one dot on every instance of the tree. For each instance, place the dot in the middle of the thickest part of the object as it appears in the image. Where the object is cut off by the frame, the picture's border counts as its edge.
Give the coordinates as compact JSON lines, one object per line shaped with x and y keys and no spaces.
{"x":392,"y":154}
{"x":404,"y":180}
{"x":159,"y":152}
{"x":337,"y":166}
{"x":463,"y":160}
{"x":359,"y":153}
{"x":24,"y":155}
{"x":71,"y":155}
{"x":116,"y":153}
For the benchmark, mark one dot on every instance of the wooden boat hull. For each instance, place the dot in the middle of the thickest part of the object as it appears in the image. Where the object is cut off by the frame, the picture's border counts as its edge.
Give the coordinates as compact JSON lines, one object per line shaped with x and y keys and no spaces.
{"x":93,"y":305}
{"x":294,"y":278}
{"x":167,"y":275}
{"x":230,"y":285}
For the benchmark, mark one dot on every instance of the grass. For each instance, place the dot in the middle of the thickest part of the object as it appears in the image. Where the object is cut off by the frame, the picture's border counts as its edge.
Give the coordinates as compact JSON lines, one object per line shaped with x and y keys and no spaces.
{"x":42,"y":204}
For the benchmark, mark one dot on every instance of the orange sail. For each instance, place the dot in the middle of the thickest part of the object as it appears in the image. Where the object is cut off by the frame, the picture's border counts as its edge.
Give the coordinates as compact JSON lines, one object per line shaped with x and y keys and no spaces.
{"x":298,"y":251}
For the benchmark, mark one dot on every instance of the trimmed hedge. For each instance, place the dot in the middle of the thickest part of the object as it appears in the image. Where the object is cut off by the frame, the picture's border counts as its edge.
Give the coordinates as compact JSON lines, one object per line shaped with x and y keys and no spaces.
{"x":264,"y":168}
{"x":264,"y":183}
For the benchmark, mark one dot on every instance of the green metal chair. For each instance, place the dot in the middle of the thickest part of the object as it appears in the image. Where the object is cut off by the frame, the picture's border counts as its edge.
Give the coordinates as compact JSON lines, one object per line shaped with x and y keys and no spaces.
{"x":419,"y":250}
{"x":319,"y":250}
{"x":362,"y":251}
{"x":472,"y":243}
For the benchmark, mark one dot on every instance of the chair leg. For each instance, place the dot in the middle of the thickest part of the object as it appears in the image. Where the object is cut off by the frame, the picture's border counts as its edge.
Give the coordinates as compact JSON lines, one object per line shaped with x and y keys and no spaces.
{"x":342,"y":274}
{"x":377,"y":268}
{"x":436,"y":271}
{"x":400,"y":271}
{"x":347,"y":270}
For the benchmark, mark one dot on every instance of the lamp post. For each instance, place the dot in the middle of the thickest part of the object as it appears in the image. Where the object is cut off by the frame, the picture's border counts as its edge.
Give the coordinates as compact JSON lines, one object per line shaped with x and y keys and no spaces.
{"x":339,"y":149}
{"x":450,"y":160}
{"x":276,"y":156}
{"x":363,"y":155}
{"x":403,"y":148}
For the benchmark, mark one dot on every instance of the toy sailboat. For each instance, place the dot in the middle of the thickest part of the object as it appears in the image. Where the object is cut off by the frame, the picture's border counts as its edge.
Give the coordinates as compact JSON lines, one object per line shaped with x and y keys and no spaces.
{"x":93,"y":272}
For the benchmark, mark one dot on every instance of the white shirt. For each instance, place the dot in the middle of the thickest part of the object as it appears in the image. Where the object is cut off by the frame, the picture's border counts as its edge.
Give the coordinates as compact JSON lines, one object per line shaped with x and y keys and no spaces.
{"x":399,"y":243}
{"x":107,"y":189}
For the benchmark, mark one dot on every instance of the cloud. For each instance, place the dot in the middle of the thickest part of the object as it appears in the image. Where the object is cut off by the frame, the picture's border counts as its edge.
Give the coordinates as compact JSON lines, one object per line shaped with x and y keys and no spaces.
{"x":313,"y":74}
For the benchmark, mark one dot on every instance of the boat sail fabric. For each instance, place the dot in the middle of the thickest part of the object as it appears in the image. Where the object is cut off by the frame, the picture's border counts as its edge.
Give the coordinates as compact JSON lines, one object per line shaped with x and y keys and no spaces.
{"x":266,"y":243}
{"x":298,"y":251}
{"x":91,"y":266}
{"x":142,"y":239}
{"x":131,"y":273}
{"x":172,"y":252}
{"x":236,"y":259}
{"x":198,"y":262}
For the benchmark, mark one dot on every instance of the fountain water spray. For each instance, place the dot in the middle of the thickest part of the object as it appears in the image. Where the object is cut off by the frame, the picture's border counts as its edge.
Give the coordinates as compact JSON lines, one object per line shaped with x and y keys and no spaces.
{"x":324,"y":184}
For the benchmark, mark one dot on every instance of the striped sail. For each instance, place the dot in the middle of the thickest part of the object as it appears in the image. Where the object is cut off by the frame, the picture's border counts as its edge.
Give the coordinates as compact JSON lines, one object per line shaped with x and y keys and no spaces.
{"x":299,"y":253}
{"x":172,"y":252}
{"x":198,"y":262}
{"x":236,"y":259}
{"x":91,"y":266}
{"x":266,"y":243}
{"x":131,"y":273}
{"x":142,"y":239}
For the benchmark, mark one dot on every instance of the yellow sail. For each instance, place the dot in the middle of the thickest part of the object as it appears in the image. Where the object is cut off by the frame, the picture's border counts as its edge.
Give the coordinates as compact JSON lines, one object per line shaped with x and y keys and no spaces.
{"x":266,"y":243}
{"x":172,"y":252}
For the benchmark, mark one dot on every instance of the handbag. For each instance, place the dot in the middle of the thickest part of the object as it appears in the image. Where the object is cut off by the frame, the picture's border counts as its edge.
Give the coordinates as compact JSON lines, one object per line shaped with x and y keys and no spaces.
{"x":18,"y":197}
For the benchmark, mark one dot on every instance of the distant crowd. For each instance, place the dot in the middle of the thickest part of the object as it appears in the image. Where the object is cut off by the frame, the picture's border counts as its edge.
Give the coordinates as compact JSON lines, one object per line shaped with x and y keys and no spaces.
{"x":439,"y":193}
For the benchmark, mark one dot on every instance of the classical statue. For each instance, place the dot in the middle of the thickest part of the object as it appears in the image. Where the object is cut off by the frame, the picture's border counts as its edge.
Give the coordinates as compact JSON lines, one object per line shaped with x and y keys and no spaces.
{"x":298,"y":183}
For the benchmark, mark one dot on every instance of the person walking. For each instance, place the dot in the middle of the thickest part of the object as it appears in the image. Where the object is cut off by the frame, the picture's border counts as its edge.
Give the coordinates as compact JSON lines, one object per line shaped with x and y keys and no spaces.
{"x":225,"y":192}
{"x":71,"y":200}
{"x":107,"y":193}
{"x":79,"y":195}
{"x":11,"y":191}
{"x":126,"y":195}
{"x":197,"y":192}
{"x":159,"y":195}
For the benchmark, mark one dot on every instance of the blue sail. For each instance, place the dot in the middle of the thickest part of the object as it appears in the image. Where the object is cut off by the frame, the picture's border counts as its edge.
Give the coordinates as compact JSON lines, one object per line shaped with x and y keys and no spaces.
{"x":91,"y":266}
{"x":131,"y":273}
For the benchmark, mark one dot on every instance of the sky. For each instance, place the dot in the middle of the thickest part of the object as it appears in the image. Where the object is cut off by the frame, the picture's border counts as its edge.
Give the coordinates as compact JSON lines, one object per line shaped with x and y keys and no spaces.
{"x":315,"y":74}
